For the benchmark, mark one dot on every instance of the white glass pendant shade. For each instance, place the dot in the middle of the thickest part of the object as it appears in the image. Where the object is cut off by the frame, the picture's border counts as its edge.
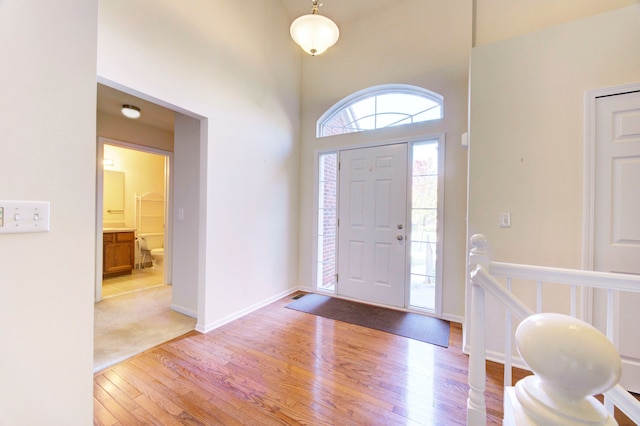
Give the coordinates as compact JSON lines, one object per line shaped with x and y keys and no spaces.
{"x":314,"y":33}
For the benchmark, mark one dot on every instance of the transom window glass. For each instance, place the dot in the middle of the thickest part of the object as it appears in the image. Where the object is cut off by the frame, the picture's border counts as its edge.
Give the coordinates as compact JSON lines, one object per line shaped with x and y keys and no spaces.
{"x":379,"y":107}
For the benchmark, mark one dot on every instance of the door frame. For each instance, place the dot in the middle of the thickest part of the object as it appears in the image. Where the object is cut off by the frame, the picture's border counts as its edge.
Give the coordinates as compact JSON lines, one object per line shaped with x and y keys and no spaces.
{"x":440,"y":138}
{"x":588,"y":220}
{"x":168,"y":196}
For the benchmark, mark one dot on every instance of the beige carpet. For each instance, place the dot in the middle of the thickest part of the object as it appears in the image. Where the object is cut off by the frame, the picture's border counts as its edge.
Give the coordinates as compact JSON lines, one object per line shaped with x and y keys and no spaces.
{"x":132,"y":323}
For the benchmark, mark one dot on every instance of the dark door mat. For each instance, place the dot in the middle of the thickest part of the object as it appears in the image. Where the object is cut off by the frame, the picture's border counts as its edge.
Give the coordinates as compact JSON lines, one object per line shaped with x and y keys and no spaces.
{"x":414,"y":326}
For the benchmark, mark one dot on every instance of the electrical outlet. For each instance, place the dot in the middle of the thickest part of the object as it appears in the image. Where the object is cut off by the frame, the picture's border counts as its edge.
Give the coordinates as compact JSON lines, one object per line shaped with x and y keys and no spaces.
{"x":505,"y":220}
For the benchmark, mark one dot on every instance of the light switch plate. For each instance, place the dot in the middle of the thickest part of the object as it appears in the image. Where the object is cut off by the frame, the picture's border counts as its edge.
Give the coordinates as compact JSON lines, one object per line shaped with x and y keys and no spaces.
{"x":24,"y":216}
{"x":505,"y":220}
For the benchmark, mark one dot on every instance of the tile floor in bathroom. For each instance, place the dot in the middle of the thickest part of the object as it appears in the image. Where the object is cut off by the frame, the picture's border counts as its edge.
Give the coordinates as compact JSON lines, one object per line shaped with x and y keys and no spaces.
{"x":139,"y":279}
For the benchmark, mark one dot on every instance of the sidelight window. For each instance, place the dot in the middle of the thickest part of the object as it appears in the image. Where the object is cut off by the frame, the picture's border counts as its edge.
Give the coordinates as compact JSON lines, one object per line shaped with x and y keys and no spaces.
{"x":424,"y":225}
{"x":327,"y":221}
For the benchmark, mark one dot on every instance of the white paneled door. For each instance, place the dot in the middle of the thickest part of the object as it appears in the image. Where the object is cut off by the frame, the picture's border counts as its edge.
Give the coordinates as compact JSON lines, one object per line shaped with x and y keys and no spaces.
{"x":372,"y":224}
{"x":617,"y":215}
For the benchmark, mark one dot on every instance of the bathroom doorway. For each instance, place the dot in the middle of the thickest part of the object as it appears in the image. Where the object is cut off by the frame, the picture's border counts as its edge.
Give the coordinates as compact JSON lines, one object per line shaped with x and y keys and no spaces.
{"x":135,"y":218}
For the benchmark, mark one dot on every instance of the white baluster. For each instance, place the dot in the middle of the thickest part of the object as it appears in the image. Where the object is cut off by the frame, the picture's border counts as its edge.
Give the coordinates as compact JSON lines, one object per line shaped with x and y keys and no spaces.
{"x":476,"y":404}
{"x":508,"y":332}
{"x":571,"y":361}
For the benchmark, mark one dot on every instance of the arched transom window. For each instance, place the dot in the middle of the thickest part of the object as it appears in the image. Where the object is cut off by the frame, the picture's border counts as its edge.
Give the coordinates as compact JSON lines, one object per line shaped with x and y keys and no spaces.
{"x":379,"y":107}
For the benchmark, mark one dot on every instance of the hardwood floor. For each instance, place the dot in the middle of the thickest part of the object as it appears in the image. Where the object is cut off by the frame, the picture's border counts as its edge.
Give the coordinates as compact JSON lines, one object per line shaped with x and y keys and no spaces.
{"x":278,"y":366}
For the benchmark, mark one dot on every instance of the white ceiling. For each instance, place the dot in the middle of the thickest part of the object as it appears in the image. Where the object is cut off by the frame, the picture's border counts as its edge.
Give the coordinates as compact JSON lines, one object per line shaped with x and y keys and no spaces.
{"x":110,"y":101}
{"x":340,"y":11}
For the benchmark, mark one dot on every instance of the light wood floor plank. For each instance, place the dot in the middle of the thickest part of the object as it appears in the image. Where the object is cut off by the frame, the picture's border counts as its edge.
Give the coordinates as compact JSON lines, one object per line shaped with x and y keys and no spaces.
{"x":277,"y":366}
{"x":161,"y":395}
{"x":157,"y":411}
{"x":110,"y":402}
{"x":194,"y":398}
{"x":102,"y":416}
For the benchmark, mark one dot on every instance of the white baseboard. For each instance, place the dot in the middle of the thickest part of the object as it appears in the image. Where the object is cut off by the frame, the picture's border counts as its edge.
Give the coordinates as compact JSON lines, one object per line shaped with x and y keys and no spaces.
{"x":306,"y":289}
{"x":499,"y":357}
{"x":184,"y":311}
{"x":453,"y":318}
{"x":205,"y":328}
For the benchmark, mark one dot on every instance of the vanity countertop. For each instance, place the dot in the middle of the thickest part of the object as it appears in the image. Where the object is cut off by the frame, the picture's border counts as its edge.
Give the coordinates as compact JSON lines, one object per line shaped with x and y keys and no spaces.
{"x":111,"y":230}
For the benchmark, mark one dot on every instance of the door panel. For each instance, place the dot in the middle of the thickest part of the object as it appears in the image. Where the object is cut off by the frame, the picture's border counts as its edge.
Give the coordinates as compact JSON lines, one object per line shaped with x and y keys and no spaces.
{"x":626,"y":201}
{"x":372,"y":214}
{"x":617,"y":216}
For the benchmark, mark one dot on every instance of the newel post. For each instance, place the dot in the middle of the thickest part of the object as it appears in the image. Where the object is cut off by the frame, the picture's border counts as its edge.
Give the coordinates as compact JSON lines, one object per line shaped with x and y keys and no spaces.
{"x":571,"y":361}
{"x":476,"y":404}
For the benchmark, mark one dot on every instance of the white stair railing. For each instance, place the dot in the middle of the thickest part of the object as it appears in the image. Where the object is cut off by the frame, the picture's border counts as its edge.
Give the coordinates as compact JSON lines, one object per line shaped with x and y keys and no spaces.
{"x":526,"y":394}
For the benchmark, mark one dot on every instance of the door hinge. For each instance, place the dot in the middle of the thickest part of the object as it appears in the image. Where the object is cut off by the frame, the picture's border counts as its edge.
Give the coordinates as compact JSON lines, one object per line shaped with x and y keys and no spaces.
{"x":338,"y":222}
{"x":336,"y":277}
{"x":339,"y":165}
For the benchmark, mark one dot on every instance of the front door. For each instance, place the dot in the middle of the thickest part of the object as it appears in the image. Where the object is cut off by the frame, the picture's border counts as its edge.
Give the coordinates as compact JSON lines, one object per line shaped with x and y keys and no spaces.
{"x":617,"y":215}
{"x":372,"y":224}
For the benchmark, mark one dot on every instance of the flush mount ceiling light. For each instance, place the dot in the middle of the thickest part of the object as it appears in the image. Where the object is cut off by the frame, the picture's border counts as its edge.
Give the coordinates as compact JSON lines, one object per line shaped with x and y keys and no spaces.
{"x":313,"y":32}
{"x":130,"y":111}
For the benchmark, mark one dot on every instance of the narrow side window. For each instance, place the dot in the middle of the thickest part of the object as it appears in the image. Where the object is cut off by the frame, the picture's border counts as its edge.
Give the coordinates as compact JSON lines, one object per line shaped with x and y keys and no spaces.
{"x":327,"y":221}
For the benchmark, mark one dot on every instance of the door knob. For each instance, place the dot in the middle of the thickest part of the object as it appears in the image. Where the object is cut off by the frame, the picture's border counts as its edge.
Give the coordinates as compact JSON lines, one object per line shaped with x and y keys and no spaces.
{"x":400,"y":226}
{"x":400,"y":237}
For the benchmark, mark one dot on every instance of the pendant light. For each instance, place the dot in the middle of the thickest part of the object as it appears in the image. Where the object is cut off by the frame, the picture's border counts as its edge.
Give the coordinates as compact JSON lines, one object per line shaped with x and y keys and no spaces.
{"x":313,"y":32}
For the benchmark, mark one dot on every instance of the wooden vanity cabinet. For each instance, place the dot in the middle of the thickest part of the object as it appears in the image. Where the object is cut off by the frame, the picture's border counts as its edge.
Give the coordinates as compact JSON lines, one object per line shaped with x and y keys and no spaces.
{"x":118,"y":253}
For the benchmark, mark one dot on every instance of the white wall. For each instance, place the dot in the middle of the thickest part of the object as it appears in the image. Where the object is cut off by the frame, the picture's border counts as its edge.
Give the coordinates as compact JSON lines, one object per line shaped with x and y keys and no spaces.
{"x":233,"y":63}
{"x":48,"y":104}
{"x":410,"y":42}
{"x":143,"y":172}
{"x":187,"y":261}
{"x":503,"y":19}
{"x":527,"y":133}
{"x":132,"y":131}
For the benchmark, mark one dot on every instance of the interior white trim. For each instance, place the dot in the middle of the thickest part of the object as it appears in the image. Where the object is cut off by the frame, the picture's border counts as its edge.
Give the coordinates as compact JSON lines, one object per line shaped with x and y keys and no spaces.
{"x":453,"y":318}
{"x":184,"y":311}
{"x":99,"y":193}
{"x":205,"y":328}
{"x":148,"y":98}
{"x":440,"y":137}
{"x":589,"y":181}
{"x":203,"y":207}
{"x":375,"y":91}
